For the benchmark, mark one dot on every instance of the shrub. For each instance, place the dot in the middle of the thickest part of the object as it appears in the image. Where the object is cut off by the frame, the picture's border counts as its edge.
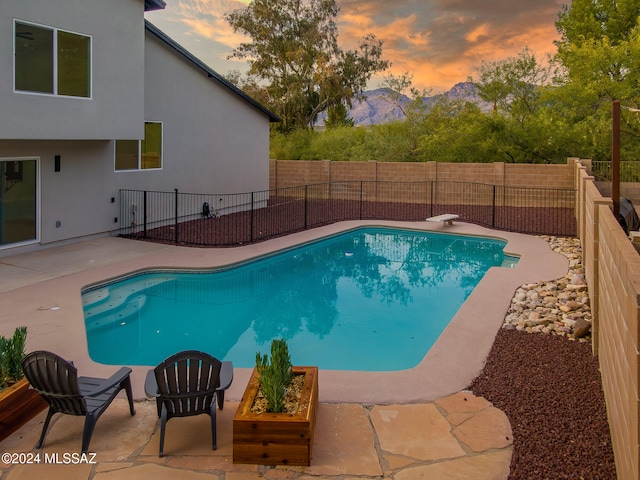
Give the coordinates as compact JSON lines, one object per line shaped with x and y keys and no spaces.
{"x":12,"y":351}
{"x":275,"y":375}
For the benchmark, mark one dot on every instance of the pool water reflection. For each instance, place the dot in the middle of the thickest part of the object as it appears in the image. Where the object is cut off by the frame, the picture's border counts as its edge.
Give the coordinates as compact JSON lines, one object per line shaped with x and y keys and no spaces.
{"x":368,"y":299}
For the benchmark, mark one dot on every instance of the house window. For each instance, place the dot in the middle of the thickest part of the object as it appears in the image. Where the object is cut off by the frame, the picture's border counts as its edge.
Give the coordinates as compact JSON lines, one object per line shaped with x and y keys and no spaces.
{"x":52,"y":61}
{"x":141,"y":155}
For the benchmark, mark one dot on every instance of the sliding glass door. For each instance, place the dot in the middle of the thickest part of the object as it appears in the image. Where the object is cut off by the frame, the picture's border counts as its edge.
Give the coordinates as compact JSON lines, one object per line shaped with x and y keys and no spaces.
{"x":18,"y":201}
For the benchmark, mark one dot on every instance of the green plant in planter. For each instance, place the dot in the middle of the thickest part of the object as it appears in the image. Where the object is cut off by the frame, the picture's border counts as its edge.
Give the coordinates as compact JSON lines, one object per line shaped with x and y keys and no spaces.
{"x":276,"y":375}
{"x":12,"y":351}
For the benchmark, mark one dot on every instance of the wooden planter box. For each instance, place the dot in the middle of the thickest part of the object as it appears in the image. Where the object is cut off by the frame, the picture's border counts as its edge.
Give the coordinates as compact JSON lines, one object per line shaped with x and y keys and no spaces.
{"x":18,"y":405}
{"x":276,"y":438}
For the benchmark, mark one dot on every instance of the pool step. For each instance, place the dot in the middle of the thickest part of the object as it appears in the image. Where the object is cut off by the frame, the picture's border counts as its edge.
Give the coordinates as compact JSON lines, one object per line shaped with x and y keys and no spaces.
{"x":118,"y":315}
{"x":112,"y":296}
{"x":95,"y":296}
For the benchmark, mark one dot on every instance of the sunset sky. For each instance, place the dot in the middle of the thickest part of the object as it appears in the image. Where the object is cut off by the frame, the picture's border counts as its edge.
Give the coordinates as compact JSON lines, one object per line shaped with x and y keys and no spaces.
{"x":439,"y":42}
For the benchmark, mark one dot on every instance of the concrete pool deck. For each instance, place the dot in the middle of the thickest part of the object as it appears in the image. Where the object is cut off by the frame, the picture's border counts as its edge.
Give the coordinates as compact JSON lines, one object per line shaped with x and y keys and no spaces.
{"x":395,"y":425}
{"x":41,"y":290}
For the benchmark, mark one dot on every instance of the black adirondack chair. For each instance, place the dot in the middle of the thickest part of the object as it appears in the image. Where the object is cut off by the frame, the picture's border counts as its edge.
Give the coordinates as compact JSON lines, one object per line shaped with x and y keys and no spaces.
{"x":57,"y":381}
{"x":186,"y":384}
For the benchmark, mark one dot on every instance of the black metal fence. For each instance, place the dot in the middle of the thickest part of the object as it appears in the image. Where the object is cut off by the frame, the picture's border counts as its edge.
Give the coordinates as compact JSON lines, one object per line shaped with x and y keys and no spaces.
{"x":629,"y":171}
{"x":210,"y":220}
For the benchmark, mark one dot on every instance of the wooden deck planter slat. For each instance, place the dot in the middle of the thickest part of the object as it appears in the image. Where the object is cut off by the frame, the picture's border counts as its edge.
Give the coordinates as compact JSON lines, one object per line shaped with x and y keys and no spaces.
{"x":18,"y":405}
{"x":276,"y":438}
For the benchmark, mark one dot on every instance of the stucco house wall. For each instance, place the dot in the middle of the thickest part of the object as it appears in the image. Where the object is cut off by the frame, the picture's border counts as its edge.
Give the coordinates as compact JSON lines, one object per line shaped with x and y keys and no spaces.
{"x":76,"y":201}
{"x":116,"y":106}
{"x":215,"y":138}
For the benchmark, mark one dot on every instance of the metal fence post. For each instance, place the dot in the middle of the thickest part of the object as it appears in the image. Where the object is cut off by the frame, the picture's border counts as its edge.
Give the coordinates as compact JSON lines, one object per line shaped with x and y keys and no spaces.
{"x":121,"y":208}
{"x":144,"y":213}
{"x":431,"y":200}
{"x":176,"y":236}
{"x":251,"y":219}
{"x":361,"y":206}
{"x":305,"y":206}
{"x":493,"y":210}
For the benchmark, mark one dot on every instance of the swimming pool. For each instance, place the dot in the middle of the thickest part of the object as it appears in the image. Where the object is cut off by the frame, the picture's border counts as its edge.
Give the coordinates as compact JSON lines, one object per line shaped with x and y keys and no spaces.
{"x":368,"y":299}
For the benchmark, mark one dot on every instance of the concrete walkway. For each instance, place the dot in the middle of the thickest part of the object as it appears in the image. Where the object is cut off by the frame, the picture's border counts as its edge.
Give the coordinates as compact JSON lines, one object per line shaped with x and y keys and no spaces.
{"x":411,"y":424}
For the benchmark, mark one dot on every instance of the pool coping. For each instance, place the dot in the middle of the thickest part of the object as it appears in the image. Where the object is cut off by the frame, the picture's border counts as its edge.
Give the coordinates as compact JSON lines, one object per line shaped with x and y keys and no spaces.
{"x":47,"y":300}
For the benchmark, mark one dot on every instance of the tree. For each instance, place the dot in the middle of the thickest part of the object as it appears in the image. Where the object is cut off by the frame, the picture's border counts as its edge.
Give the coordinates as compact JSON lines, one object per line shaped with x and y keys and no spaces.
{"x":599,"y":44}
{"x":338,"y":116}
{"x":399,"y":87}
{"x":460,"y":132}
{"x":595,"y":20}
{"x":599,"y":50}
{"x":413,"y":108}
{"x":293,"y":53}
{"x":513,"y":85}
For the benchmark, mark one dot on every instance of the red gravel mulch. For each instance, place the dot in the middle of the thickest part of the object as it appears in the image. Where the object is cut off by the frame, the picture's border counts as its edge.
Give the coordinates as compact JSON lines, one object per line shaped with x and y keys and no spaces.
{"x":283,"y":216}
{"x":550,"y":389}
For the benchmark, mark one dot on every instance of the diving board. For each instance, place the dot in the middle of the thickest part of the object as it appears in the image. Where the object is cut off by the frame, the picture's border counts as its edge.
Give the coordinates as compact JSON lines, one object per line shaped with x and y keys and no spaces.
{"x":446,"y":218}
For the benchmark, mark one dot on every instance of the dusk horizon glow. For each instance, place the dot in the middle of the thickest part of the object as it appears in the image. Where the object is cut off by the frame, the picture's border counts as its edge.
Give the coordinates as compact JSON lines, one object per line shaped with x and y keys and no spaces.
{"x":440,"y":43}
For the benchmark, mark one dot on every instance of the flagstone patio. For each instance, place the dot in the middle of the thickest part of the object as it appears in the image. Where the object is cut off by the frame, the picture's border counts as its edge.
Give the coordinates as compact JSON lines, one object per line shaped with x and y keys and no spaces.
{"x":458,"y":437}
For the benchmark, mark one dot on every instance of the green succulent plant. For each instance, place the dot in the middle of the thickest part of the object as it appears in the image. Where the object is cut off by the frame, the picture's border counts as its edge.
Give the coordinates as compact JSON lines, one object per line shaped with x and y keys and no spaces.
{"x":275,"y":374}
{"x":12,"y":351}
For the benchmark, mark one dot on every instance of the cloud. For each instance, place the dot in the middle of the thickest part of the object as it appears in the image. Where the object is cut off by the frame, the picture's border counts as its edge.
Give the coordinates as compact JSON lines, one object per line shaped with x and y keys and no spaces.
{"x":206,"y":18}
{"x":440,"y":42}
{"x":477,"y":34}
{"x":443,"y":42}
{"x":200,"y":27}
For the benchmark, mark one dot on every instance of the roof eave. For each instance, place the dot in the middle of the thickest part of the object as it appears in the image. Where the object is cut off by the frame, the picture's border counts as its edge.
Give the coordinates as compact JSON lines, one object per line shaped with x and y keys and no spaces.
{"x":151,"y":5}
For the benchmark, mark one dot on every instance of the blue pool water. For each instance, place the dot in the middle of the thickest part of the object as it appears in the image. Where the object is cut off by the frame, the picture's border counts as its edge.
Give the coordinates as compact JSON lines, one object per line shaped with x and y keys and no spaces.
{"x":369,"y":299}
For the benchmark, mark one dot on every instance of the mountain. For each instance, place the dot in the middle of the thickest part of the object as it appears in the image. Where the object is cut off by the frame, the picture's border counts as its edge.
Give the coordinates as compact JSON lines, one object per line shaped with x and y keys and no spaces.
{"x":377,"y":108}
